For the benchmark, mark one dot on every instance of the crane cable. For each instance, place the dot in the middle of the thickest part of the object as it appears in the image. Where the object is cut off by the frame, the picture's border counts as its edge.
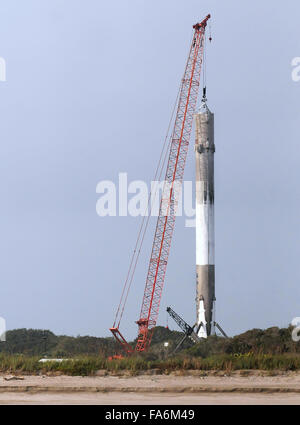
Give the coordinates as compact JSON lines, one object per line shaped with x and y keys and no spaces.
{"x":144,"y":225}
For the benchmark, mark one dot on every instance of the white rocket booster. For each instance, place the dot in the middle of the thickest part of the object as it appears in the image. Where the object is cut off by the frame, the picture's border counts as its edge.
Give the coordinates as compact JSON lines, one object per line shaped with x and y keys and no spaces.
{"x":205,"y":238}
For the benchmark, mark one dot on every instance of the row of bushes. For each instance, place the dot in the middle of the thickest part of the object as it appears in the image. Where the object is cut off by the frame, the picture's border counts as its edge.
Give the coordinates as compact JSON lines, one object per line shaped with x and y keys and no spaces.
{"x":89,"y":365}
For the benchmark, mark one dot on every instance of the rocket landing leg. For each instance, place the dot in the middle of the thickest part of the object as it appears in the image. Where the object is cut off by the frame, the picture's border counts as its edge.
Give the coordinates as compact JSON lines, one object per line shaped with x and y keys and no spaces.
{"x":202,"y":323}
{"x":201,"y":329}
{"x":213,"y":322}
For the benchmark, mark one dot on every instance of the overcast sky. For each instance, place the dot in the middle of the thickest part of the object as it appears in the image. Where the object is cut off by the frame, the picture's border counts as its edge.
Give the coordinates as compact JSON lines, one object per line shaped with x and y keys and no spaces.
{"x":89,"y":92}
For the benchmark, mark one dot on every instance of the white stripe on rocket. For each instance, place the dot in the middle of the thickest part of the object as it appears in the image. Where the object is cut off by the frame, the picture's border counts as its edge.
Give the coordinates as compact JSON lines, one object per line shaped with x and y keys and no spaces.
{"x":205,"y":240}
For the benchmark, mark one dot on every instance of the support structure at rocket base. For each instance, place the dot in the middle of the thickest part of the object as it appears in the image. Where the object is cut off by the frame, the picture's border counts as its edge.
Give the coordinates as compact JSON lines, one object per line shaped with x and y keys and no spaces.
{"x":205,"y":237}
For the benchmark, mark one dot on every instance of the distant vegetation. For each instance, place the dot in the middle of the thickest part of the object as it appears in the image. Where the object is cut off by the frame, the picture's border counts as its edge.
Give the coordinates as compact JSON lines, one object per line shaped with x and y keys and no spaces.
{"x":36,"y":342}
{"x":256,"y":341}
{"x":268,"y":349}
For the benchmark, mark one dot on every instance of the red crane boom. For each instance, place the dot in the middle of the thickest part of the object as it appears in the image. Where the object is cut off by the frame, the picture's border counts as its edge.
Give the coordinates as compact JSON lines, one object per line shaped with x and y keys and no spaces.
{"x":170,"y":194}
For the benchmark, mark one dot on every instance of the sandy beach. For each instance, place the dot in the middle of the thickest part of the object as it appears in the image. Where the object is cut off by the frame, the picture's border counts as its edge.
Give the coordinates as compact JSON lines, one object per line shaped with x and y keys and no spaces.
{"x":152,"y":389}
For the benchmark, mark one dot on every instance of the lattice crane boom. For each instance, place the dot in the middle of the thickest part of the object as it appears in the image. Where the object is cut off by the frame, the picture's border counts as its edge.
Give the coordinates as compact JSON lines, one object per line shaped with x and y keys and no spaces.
{"x":169,"y":200}
{"x":185,"y":327}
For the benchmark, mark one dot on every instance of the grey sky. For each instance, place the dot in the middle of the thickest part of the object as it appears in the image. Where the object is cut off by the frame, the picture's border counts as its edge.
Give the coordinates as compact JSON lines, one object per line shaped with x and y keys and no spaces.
{"x":89,"y":91}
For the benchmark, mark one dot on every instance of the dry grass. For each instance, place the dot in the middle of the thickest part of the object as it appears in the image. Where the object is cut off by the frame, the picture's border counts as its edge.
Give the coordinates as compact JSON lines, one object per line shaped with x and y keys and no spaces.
{"x":90,"y":365}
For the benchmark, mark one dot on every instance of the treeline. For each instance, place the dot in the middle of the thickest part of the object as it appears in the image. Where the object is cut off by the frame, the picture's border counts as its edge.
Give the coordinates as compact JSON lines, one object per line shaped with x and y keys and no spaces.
{"x":256,"y":341}
{"x":35,"y":342}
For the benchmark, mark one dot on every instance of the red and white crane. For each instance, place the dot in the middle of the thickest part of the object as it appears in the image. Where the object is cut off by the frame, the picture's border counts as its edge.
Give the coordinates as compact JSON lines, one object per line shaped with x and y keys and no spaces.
{"x":179,"y":143}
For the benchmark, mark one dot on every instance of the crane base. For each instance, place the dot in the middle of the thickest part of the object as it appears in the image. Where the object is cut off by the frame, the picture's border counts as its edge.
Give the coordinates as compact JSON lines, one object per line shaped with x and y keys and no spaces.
{"x":121,"y":340}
